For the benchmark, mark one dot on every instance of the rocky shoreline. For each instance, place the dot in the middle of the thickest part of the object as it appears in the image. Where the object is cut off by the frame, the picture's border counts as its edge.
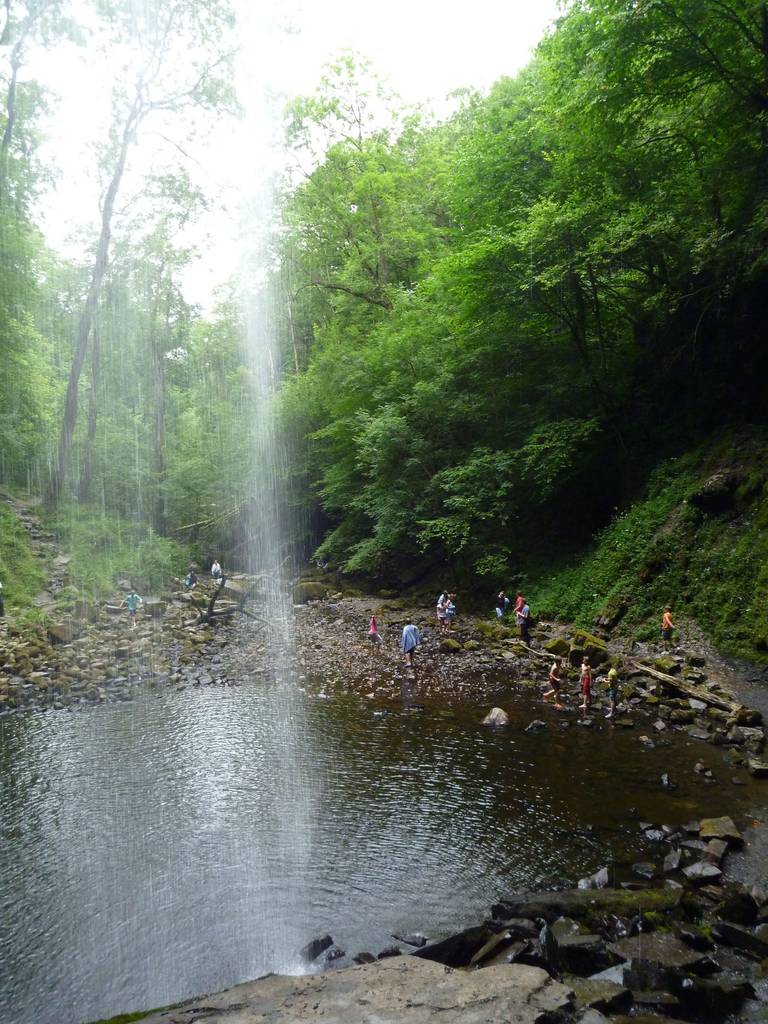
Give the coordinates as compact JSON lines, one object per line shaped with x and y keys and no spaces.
{"x":692,"y":948}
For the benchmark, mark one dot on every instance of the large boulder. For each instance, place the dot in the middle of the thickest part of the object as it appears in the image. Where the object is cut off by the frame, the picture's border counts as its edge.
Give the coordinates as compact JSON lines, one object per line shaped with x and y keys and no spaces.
{"x":558,"y":646}
{"x":398,"y":990}
{"x":594,"y":648}
{"x":308,"y":590}
{"x":496,"y":717}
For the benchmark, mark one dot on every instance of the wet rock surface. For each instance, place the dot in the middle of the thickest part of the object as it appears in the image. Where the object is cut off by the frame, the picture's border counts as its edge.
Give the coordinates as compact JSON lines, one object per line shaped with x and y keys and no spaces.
{"x":399,"y":990}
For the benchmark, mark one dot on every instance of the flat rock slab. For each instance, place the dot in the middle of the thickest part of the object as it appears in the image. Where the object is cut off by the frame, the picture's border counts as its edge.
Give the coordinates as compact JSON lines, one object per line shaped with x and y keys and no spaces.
{"x":661,"y":948}
{"x":585,"y":903}
{"x":720,"y":828}
{"x":399,"y":990}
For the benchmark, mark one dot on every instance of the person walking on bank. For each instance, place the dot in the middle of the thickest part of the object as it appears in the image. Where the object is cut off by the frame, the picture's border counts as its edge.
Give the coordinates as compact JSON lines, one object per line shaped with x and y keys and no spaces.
{"x":667,"y":625}
{"x":613,"y":690}
{"x":523,"y":617}
{"x":409,"y":642}
{"x":373,"y":632}
{"x":502,"y":603}
{"x":450,"y":612}
{"x":555,"y":682}
{"x":442,"y":602}
{"x":586,"y":685}
{"x":132,"y":602}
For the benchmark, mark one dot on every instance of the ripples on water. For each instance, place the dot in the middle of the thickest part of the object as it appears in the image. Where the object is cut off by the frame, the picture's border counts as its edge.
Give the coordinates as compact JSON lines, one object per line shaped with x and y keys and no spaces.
{"x":188,"y":841}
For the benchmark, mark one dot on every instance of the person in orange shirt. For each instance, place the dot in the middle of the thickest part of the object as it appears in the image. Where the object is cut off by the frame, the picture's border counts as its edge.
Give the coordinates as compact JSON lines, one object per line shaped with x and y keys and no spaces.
{"x":667,"y":625}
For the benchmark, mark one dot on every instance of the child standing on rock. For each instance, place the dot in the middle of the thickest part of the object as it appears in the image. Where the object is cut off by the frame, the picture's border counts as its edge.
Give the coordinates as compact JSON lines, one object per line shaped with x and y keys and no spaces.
{"x":613,"y":690}
{"x":667,"y":625}
{"x":586,"y":685}
{"x":132,"y":603}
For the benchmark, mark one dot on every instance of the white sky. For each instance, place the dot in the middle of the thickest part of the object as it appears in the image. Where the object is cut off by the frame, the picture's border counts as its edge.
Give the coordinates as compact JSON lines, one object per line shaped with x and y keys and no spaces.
{"x":424,"y":49}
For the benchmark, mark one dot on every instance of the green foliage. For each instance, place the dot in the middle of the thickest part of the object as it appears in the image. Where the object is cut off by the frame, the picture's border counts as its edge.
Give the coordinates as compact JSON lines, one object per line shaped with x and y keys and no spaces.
{"x":21,"y":572}
{"x":103,"y":548}
{"x":710,"y":567}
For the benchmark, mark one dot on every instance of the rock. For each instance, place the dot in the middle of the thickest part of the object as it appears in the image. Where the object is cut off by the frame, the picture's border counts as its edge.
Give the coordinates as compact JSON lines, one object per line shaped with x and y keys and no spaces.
{"x":720,"y":828}
{"x":412,"y":939}
{"x":496,"y":718}
{"x":308,"y":590}
{"x":702,"y":872}
{"x":597,"y":881}
{"x":522,"y":928}
{"x":594,"y":648}
{"x":400,"y":989}
{"x":568,"y":947}
{"x":63,"y":632}
{"x":695,"y":937}
{"x":758,"y":768}
{"x":558,"y":646}
{"x":457,"y":950}
{"x":449,"y":645}
{"x":713,"y":998}
{"x":681,"y":717}
{"x":471,"y":645}
{"x":364,"y":958}
{"x":536,"y":725}
{"x":644,"y":869}
{"x":585,"y":903}
{"x":624,"y":722}
{"x":390,"y":951}
{"x":739,"y":907}
{"x":315,"y":947}
{"x":669,"y":665}
{"x":740,"y":938}
{"x":154,"y":607}
{"x":659,"y":949}
{"x":697,"y":733}
{"x":671,"y":861}
{"x":715,"y":494}
{"x":599,"y":994}
{"x":714,"y":851}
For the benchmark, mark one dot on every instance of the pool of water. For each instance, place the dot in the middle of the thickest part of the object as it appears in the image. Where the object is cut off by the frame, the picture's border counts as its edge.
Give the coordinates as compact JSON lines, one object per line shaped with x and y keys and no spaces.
{"x":190,"y":840}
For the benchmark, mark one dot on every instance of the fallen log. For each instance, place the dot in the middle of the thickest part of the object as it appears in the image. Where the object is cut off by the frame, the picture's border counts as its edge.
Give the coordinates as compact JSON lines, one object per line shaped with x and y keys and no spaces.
{"x":681,"y":686}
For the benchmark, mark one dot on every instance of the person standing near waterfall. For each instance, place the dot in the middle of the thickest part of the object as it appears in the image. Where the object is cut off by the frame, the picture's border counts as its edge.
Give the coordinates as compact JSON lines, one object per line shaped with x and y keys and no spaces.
{"x":216,"y":574}
{"x":410,"y":641}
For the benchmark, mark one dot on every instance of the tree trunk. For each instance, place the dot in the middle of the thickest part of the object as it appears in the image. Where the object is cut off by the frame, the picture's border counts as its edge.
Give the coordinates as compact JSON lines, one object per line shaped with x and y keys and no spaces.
{"x":86,"y":476}
{"x":158,"y":416}
{"x":86,"y":317}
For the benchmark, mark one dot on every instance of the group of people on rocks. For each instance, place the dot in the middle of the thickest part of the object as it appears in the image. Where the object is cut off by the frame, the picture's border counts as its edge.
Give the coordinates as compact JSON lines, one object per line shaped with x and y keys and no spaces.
{"x":446,"y":614}
{"x":132,"y":601}
{"x":585,"y":686}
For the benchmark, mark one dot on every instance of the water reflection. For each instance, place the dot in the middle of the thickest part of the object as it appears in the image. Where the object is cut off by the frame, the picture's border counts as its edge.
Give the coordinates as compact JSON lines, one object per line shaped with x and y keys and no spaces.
{"x":148,"y":852}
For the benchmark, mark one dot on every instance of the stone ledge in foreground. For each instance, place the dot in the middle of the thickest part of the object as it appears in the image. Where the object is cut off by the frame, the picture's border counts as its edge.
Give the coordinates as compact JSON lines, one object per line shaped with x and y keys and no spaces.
{"x":398,"y":990}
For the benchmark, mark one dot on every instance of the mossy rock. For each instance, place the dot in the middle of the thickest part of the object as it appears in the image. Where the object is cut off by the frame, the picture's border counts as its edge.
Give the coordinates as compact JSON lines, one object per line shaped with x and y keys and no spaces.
{"x":594,"y":648}
{"x":558,"y":646}
{"x":668,"y":665}
{"x":449,"y":645}
{"x":472,"y":645}
{"x":310,"y":591}
{"x":495,"y":631}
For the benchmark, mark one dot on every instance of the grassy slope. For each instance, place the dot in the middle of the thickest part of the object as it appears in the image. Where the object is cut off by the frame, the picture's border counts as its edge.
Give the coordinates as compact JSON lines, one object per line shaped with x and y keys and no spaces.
{"x":21,"y":573}
{"x":711,"y":567}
